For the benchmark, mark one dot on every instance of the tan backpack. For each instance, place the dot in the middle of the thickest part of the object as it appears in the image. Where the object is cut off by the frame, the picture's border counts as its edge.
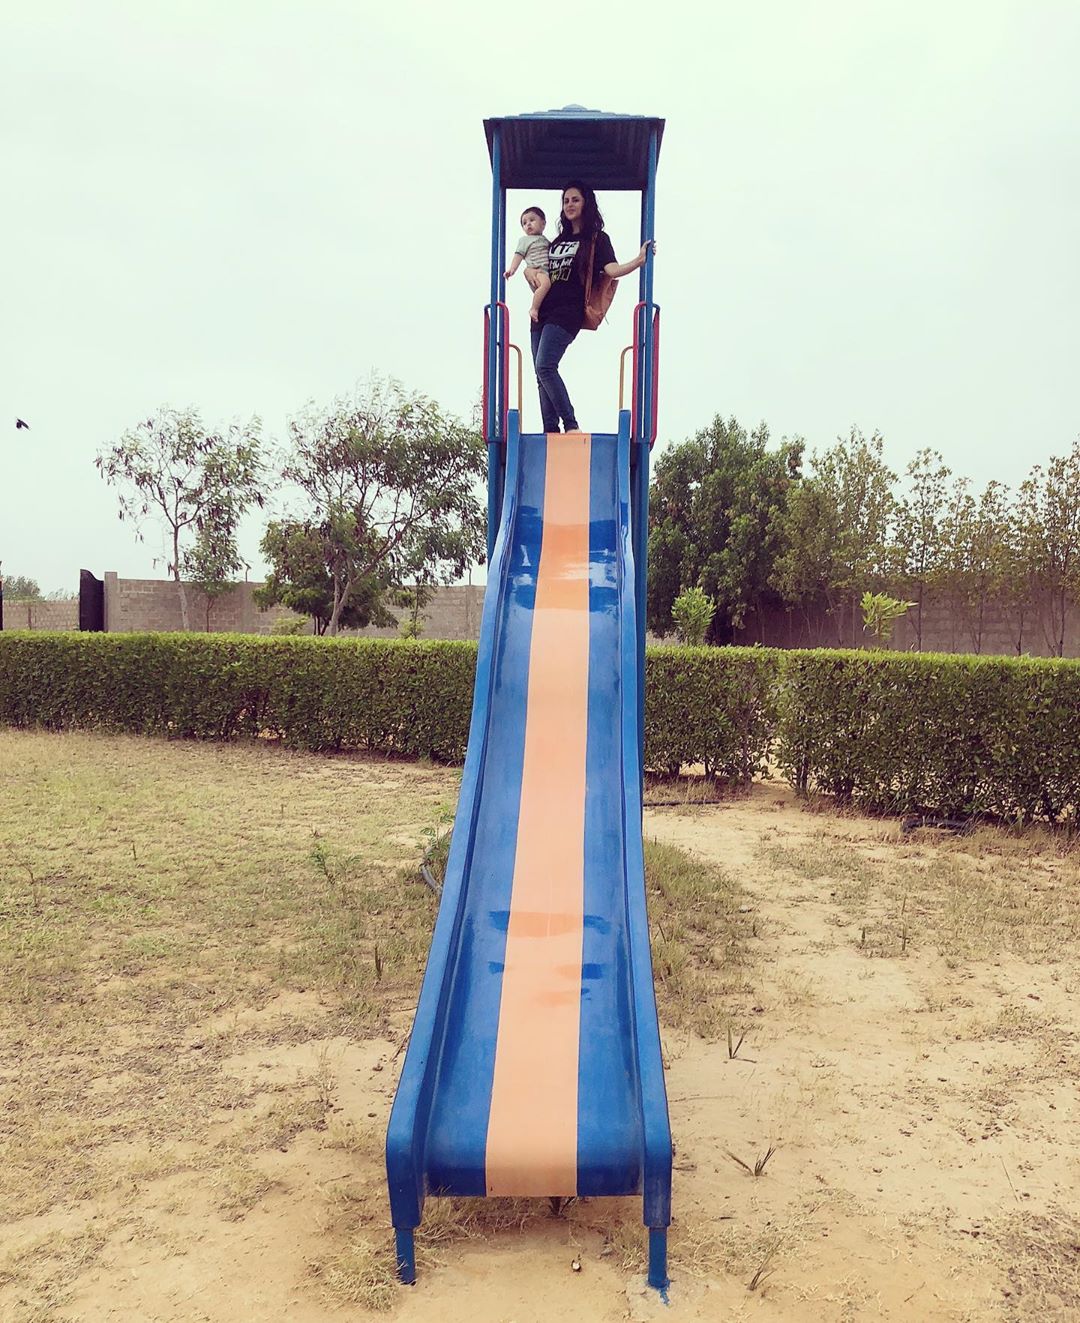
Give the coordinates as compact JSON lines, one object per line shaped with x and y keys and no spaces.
{"x":598,"y":296}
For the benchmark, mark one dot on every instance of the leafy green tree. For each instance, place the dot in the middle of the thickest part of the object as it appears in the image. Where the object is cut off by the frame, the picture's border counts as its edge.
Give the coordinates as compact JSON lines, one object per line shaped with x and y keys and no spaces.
{"x":716,"y":521}
{"x":993,"y":573}
{"x":988,"y":558}
{"x":300,"y":580}
{"x":835,"y":530}
{"x":880,"y":614}
{"x":173,"y":468}
{"x":1049,"y":515}
{"x":806,"y":573}
{"x":954,"y":577}
{"x":17,"y":587}
{"x":391,"y":486}
{"x":918,"y":531}
{"x":214,"y":562}
{"x":413,"y":598}
{"x":693,"y":612}
{"x":288,"y":627}
{"x":1016,"y":574}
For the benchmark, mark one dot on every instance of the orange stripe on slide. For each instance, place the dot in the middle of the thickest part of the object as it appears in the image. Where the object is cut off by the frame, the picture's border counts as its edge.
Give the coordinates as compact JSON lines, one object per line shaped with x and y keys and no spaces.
{"x":532,"y":1128}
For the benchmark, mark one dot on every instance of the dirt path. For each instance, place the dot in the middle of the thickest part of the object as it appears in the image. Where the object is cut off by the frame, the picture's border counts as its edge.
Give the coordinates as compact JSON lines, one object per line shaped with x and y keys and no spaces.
{"x":924,"y":1106}
{"x":902,"y":1039}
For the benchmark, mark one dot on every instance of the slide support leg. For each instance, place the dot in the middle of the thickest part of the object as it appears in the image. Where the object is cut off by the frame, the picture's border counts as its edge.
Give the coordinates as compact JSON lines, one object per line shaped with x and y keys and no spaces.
{"x":658,"y":1277}
{"x":406,"y":1255}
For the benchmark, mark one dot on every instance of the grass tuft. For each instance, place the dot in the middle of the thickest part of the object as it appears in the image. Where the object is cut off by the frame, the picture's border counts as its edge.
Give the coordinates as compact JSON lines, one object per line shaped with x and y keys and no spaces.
{"x":698,"y":938}
{"x":361,"y":1274}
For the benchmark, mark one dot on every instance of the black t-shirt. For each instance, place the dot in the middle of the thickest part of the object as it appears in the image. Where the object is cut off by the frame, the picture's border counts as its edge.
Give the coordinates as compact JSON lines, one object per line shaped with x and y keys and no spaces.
{"x":564,"y":303}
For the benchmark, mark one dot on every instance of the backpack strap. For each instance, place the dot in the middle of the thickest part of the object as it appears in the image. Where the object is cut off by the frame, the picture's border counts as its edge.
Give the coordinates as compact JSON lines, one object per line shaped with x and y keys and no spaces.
{"x":589,"y":273}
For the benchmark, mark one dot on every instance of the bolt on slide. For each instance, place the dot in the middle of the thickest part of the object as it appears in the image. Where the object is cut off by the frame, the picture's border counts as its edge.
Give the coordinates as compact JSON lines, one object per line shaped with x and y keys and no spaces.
{"x":534,"y":1065}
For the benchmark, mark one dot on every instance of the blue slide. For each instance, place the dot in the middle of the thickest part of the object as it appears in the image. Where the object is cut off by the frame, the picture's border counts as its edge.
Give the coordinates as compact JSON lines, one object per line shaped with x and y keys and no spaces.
{"x":534,"y":1065}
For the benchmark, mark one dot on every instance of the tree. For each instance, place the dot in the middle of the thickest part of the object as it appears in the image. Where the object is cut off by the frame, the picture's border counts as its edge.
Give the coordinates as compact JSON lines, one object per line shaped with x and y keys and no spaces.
{"x":300,"y":580}
{"x":390,"y":483}
{"x":213,"y":562}
{"x":17,"y":587}
{"x":992,"y":570}
{"x":1015,"y":574}
{"x":880,"y":613}
{"x":918,"y":530}
{"x":693,"y":612}
{"x":715,"y":521}
{"x":413,"y":599}
{"x":1049,"y":510}
{"x":835,"y":529}
{"x":805,"y":573}
{"x":955,"y":576}
{"x":171,"y":467}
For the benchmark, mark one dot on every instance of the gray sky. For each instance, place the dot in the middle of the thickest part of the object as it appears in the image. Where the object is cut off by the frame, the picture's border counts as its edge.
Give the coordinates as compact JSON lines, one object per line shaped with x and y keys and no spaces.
{"x":868,"y":214}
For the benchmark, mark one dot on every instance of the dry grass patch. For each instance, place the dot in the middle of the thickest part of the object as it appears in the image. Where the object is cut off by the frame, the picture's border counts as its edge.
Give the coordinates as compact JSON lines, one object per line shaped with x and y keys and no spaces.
{"x":157,"y":901}
{"x":40,"y":1274}
{"x":969,"y":897}
{"x":1043,"y":1257}
{"x":360,"y":1274}
{"x":700,"y":926}
{"x":169,"y":910}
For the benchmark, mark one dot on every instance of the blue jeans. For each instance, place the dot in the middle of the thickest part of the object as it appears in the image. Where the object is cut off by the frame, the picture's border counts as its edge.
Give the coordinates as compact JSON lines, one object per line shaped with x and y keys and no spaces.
{"x":549,"y":343}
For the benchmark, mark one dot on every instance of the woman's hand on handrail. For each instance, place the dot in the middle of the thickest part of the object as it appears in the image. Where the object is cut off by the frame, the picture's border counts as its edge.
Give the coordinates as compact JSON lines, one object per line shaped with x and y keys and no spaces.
{"x":617,"y":269}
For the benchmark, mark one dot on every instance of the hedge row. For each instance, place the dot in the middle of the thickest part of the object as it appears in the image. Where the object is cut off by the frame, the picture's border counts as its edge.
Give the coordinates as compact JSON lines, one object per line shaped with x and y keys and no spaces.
{"x":897,"y":732}
{"x":936,"y":733}
{"x":381,"y":694}
{"x":710,"y":706}
{"x":323,"y":694}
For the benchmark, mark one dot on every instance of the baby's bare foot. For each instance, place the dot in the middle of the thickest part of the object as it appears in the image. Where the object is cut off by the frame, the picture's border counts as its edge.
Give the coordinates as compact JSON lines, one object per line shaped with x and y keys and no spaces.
{"x":534,"y":313}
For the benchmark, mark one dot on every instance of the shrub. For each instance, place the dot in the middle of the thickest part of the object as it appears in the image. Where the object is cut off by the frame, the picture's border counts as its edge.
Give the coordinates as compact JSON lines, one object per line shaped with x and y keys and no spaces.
{"x":710,"y":706}
{"x":290,"y":626}
{"x":692,"y":612}
{"x":894,"y":732}
{"x":706,"y":705}
{"x":880,"y":612}
{"x":951,"y":735}
{"x":312,"y":693}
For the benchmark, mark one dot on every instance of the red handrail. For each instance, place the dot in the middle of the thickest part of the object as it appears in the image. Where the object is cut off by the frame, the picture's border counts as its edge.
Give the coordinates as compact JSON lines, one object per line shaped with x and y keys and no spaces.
{"x":505,"y":372}
{"x":655,"y":376}
{"x":504,"y":423}
{"x":487,"y":370}
{"x":636,"y":377}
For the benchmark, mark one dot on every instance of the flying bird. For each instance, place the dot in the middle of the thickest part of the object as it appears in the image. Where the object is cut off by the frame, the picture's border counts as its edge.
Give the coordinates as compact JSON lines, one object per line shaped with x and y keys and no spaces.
{"x":19,"y":423}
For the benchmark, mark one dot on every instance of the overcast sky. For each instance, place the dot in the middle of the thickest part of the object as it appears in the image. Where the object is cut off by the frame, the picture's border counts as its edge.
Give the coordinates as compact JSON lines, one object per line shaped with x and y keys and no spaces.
{"x":868,"y":214}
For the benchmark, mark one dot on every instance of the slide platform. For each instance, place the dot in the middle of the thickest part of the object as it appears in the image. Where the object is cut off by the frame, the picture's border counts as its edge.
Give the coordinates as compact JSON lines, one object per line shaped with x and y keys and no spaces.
{"x":534,"y":1065}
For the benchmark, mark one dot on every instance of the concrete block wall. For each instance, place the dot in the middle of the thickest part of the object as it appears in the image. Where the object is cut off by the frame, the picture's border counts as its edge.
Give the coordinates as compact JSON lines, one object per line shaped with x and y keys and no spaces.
{"x":22,"y":614}
{"x":454,"y":613}
{"x":945,"y":628}
{"x":155,"y":604}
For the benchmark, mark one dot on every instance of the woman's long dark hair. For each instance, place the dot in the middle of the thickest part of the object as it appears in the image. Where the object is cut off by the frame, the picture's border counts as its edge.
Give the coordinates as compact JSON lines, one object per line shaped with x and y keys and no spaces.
{"x":591,"y":224}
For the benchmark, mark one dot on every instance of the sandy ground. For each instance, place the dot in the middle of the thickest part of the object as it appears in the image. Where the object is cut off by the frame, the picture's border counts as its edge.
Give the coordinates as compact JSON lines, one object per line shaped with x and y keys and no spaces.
{"x":922,"y":1104}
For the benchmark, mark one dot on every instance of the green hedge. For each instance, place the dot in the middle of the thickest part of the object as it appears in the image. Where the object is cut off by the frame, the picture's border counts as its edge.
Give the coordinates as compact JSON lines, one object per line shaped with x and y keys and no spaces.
{"x":897,"y":732}
{"x":383,"y":694}
{"x":326,"y":694}
{"x":942,"y":734}
{"x":710,"y":706}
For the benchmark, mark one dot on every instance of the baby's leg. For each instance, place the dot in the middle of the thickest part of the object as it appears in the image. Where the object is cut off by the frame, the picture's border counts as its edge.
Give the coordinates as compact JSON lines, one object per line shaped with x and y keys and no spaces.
{"x":531,"y":277}
{"x":543,"y":284}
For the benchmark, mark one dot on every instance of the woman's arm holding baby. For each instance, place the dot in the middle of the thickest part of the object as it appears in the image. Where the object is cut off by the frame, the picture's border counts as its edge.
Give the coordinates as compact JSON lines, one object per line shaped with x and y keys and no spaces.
{"x":617,"y":269}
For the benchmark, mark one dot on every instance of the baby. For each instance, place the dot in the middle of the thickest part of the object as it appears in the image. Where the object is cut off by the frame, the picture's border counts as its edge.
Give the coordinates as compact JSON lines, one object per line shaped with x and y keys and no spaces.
{"x":533,"y":248}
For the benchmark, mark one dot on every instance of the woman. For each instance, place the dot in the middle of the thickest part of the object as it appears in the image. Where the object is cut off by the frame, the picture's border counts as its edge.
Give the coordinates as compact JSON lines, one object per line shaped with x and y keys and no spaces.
{"x":560,"y":316}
